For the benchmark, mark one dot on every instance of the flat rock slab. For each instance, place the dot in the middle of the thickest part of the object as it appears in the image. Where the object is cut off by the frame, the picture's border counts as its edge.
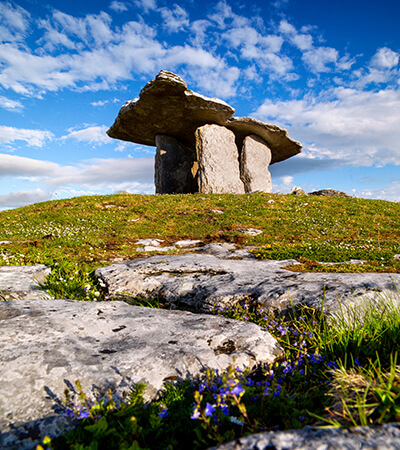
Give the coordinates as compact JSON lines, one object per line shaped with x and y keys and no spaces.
{"x":202,"y":281}
{"x":20,"y":282}
{"x":385,"y":437}
{"x":45,"y":344}
{"x":218,"y":160}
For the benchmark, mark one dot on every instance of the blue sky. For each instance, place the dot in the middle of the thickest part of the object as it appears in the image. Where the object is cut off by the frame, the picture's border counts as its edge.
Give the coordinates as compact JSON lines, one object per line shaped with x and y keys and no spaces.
{"x":327,"y":71}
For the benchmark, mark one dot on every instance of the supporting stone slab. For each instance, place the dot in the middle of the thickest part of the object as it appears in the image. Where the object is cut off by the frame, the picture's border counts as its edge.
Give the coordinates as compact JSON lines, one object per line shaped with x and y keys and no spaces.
{"x":218,"y":160}
{"x":173,"y":167}
{"x":255,"y":158}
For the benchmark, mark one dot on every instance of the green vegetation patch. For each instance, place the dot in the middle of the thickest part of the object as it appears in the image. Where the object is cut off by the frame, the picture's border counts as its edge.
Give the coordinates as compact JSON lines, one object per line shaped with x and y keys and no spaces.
{"x":97,"y":230}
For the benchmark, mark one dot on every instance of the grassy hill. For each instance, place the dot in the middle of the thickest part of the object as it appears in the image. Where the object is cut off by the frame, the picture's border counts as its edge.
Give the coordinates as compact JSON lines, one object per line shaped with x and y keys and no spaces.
{"x":95,"y":230}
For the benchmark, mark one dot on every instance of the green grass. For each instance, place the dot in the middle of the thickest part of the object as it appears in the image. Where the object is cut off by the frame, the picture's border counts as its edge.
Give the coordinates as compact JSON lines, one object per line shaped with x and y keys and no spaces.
{"x":336,"y":373}
{"x":95,"y":230}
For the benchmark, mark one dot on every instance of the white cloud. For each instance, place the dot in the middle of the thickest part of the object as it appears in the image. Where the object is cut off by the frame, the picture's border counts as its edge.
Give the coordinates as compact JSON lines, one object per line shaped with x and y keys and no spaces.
{"x":105,"y":172}
{"x":118,"y":6}
{"x":34,"y":138}
{"x":93,"y":135}
{"x":385,"y":58}
{"x":23,"y":198}
{"x":351,"y":128}
{"x":99,"y":103}
{"x":12,"y":165}
{"x":199,"y":29}
{"x":146,"y":5}
{"x":390,"y":192}
{"x":14,"y":22}
{"x":318,"y":59}
{"x":175,"y":19}
{"x":221,"y":81}
{"x":10,"y":105}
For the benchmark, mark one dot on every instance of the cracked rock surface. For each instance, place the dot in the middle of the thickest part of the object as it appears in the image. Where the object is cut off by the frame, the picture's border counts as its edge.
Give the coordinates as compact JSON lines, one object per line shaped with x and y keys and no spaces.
{"x":204,"y":281}
{"x":20,"y":282}
{"x":46,"y":344}
{"x":385,"y":437}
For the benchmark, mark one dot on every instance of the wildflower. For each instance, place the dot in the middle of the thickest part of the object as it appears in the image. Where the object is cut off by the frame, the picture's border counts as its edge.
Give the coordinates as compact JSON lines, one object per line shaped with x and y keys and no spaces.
{"x":225,"y":409}
{"x":238,"y":390}
{"x":195,"y":414}
{"x":163,"y":412}
{"x":210,"y":409}
{"x":282,"y":330}
{"x":83,"y":414}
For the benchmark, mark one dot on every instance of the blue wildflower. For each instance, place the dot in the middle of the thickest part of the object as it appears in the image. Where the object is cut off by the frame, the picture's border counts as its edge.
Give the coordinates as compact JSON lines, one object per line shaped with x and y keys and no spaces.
{"x":164,"y":412}
{"x":210,"y":409}
{"x":83,"y":414}
{"x":195,"y":414}
{"x":225,"y":409}
{"x":237,"y":390}
{"x":282,"y":330}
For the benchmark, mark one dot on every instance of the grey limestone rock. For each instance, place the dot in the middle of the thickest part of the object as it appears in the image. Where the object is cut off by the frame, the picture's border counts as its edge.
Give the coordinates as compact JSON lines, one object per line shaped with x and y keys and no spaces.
{"x":175,"y":167}
{"x":218,"y":160}
{"x":255,"y":158}
{"x":202,"y":281}
{"x":47,"y":344}
{"x":20,"y":282}
{"x":385,"y":437}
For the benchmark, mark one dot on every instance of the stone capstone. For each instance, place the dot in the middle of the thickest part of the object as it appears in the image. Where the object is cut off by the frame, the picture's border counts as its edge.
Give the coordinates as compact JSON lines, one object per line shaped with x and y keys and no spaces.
{"x":385,"y":437}
{"x":254,"y":161}
{"x":218,"y":160}
{"x":175,"y":167}
{"x":166,"y":106}
{"x":47,"y":345}
{"x":21,"y":282}
{"x":202,"y":281}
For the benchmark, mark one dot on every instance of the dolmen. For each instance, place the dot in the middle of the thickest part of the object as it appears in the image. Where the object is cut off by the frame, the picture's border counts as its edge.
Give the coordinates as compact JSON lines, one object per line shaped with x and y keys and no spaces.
{"x":201,"y":147}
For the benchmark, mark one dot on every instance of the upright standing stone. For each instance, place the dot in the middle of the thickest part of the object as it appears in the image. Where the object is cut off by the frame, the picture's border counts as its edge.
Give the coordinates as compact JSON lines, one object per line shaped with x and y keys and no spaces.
{"x":254,"y":161}
{"x":173,"y":167}
{"x":218,"y":160}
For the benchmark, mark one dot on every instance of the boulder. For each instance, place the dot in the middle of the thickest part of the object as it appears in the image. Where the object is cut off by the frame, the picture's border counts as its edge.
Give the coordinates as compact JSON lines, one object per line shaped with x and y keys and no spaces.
{"x":21,"y":282}
{"x":166,"y":106}
{"x":175,"y":167}
{"x":372,"y":438}
{"x":46,"y":345}
{"x":255,"y":158}
{"x":202,"y":281}
{"x":218,"y":161}
{"x":330,"y":193}
{"x":296,"y":190}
